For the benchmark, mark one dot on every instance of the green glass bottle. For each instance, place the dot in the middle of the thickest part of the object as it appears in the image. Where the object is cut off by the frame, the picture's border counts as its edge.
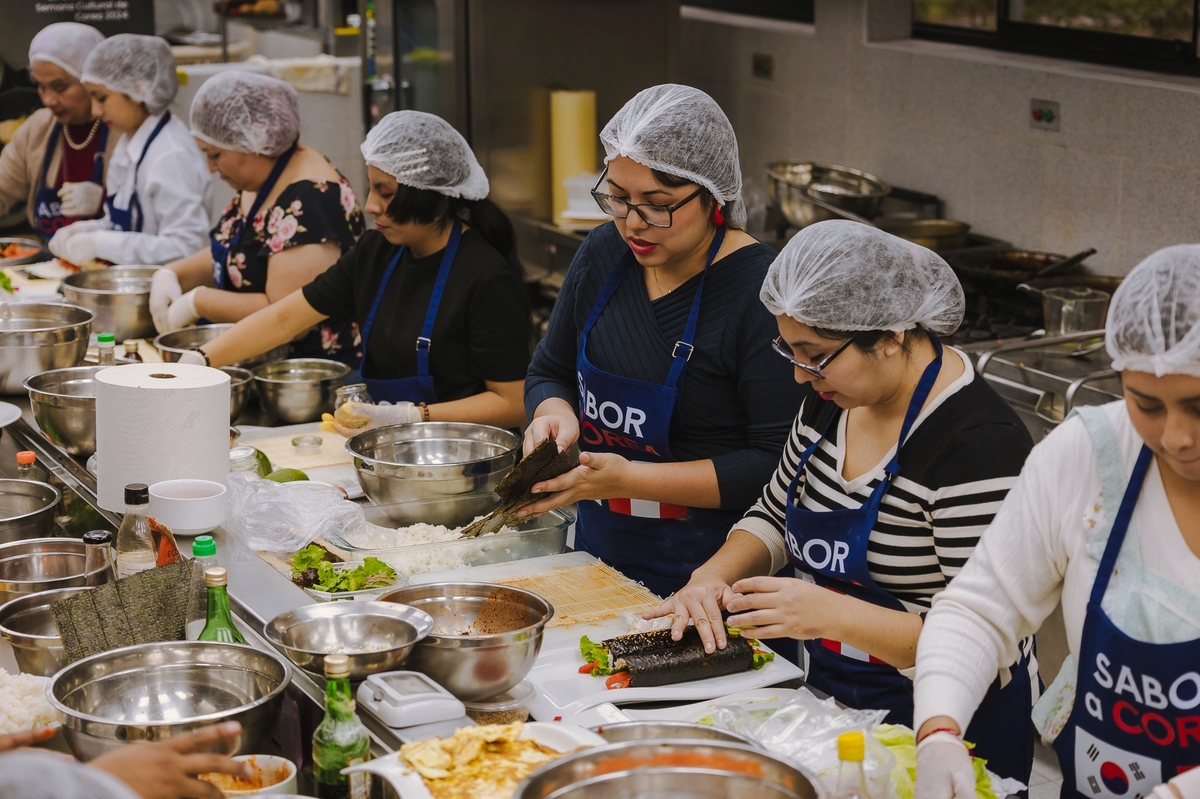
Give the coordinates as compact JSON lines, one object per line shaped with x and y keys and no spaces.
{"x":340,"y":740}
{"x":219,"y":625}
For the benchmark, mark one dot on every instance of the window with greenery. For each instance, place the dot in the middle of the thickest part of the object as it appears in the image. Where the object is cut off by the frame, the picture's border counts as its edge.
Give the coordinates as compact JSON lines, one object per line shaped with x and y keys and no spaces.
{"x":1146,"y":34}
{"x":790,"y":10}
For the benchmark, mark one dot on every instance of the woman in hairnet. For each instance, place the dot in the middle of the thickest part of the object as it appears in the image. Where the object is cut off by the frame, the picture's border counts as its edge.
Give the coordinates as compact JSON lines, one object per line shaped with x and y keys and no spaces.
{"x":1105,"y":519}
{"x":436,"y":288}
{"x":156,"y":209}
{"x":56,"y":161}
{"x":292,"y":216}
{"x":657,"y":361}
{"x":896,"y":463}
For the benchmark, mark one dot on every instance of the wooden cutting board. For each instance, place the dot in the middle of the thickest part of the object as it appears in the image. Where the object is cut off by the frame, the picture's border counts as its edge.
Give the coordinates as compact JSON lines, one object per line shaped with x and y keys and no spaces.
{"x":284,"y":456}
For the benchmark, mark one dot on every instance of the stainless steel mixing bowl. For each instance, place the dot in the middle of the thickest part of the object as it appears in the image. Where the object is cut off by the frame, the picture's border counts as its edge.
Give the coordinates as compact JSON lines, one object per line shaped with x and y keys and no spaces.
{"x":671,"y":769}
{"x":37,"y":336}
{"x":26,"y":509}
{"x":171,"y":345}
{"x":119,"y":296}
{"x":658,"y":730}
{"x":240,"y":381}
{"x":28,"y":626}
{"x":485,"y":637}
{"x":431,"y":460}
{"x":299,"y":389}
{"x":376,"y":636}
{"x":64,"y":405}
{"x":792,"y":186}
{"x":151,"y":692}
{"x":40,"y":564}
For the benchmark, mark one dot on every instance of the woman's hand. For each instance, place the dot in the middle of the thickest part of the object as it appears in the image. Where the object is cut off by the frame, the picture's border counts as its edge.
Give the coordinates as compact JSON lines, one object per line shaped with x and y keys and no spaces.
{"x":168,"y":769}
{"x":701,"y":599}
{"x":376,"y":416}
{"x":599,"y":475}
{"x":27,"y":738}
{"x":555,"y":419}
{"x":784,"y":607}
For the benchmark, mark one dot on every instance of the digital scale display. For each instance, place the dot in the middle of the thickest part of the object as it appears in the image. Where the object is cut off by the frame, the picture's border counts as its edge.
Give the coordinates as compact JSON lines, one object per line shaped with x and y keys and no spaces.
{"x":407,"y":699}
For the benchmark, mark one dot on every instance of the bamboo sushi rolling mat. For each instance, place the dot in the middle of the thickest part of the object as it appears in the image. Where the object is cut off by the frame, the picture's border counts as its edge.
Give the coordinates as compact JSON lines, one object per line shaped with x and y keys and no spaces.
{"x":284,"y":456}
{"x":584,"y":594}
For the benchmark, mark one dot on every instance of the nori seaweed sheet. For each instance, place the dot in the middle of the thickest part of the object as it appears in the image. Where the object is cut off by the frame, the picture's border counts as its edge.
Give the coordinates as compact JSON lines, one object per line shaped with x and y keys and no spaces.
{"x":636,"y":643}
{"x":686,"y":662}
{"x":545,"y":462}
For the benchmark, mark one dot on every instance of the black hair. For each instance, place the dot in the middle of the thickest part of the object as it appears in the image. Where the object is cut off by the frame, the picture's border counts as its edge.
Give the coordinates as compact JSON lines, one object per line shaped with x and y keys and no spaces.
{"x":707,"y":201}
{"x":867,"y":340}
{"x":428,"y":207}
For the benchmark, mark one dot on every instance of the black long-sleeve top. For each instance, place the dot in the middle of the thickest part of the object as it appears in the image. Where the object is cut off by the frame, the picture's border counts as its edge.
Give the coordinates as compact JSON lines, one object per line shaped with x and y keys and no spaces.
{"x":737,"y":398}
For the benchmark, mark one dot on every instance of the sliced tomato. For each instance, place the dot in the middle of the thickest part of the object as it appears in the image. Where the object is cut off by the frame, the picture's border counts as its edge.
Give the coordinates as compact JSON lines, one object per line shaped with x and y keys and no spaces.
{"x":619,"y":680}
{"x":588,"y":668}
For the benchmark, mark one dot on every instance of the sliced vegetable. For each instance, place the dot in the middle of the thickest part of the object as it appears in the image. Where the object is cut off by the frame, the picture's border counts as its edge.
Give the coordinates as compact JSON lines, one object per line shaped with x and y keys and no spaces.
{"x":761,"y":659}
{"x":311,"y":568}
{"x":588,"y":668}
{"x":619,"y":680}
{"x":6,"y":283}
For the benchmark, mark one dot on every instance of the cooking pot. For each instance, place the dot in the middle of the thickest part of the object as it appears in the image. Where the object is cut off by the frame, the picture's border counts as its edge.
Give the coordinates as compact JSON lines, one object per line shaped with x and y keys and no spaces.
{"x":999,"y":268}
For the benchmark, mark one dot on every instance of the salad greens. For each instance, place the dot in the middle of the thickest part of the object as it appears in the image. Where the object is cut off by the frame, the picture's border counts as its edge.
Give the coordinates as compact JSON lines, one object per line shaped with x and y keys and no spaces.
{"x":6,"y":283}
{"x":310,"y":569}
{"x":901,"y":742}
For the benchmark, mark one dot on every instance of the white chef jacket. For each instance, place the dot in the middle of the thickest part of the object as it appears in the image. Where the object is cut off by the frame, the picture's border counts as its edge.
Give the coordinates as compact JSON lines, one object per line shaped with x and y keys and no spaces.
{"x":1033,"y":554}
{"x":173,"y":186}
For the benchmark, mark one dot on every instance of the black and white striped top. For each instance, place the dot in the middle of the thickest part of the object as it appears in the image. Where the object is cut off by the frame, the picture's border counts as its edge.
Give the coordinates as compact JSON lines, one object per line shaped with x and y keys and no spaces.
{"x":962,"y":456}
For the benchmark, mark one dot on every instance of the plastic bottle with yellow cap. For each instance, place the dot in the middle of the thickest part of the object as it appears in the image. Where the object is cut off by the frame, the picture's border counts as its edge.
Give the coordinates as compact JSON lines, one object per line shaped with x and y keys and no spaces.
{"x":852,"y":779}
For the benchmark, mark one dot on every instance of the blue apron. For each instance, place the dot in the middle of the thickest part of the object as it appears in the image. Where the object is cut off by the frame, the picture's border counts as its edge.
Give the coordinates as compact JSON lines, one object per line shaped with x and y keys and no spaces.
{"x":130,"y":219}
{"x":831,"y":547}
{"x":419,"y":388}
{"x":47,"y":207}
{"x":1136,"y":718}
{"x":656,"y":543}
{"x":220,"y":252}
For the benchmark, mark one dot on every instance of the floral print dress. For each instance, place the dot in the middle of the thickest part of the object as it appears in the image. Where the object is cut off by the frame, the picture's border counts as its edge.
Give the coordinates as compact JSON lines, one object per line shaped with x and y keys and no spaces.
{"x":305,"y":212}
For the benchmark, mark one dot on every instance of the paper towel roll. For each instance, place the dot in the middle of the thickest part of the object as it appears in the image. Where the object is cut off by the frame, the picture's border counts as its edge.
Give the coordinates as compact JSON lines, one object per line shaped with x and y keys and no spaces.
{"x":159,"y":421}
{"x":573,"y":141}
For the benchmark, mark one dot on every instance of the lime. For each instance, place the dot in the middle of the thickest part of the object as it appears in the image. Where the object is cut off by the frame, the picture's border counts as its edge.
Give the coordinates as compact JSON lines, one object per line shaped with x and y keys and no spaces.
{"x":264,"y":463}
{"x":286,"y":475}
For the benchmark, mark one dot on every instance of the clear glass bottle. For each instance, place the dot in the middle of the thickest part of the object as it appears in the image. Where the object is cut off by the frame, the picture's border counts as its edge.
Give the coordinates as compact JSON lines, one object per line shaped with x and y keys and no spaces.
{"x":244,"y":460}
{"x":218,"y":625}
{"x":135,"y":544}
{"x":98,"y":565}
{"x":355,"y":392}
{"x":131,"y":352}
{"x":204,"y":556}
{"x":106,"y":349}
{"x":340,"y":740}
{"x":28,"y":469}
{"x":852,"y":779}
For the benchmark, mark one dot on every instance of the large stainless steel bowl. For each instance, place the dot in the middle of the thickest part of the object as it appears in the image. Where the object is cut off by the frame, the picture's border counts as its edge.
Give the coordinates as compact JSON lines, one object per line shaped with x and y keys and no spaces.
{"x":671,"y":769}
{"x":658,"y":730}
{"x":299,"y":389}
{"x":28,"y":625}
{"x":792,"y":184}
{"x":151,"y":692}
{"x":119,"y":296}
{"x":40,"y":564}
{"x":64,"y":405}
{"x":37,"y":336}
{"x":431,"y":460}
{"x":239,"y":390}
{"x":376,"y":636}
{"x":485,"y":637}
{"x":171,"y":345}
{"x":26,"y":509}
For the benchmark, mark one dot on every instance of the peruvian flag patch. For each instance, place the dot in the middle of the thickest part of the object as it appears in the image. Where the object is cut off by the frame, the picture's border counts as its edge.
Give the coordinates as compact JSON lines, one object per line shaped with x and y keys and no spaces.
{"x":1109,"y":772}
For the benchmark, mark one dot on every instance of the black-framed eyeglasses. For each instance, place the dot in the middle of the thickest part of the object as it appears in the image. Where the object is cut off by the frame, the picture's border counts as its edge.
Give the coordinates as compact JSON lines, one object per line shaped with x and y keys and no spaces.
{"x":652,"y":214}
{"x":817,"y":370}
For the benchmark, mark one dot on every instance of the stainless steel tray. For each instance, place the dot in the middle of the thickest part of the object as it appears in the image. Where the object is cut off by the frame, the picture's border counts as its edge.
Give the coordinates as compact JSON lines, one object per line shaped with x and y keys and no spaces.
{"x":24,"y":241}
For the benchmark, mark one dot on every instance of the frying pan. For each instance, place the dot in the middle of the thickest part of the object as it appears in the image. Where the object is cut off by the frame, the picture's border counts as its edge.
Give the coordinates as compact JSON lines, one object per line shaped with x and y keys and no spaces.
{"x":1004,"y":269}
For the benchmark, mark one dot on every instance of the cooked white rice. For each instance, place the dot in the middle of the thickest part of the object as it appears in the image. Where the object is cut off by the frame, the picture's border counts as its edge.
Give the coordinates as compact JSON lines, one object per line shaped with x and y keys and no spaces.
{"x":23,"y":704}
{"x":372,"y":536}
{"x":402,"y":548}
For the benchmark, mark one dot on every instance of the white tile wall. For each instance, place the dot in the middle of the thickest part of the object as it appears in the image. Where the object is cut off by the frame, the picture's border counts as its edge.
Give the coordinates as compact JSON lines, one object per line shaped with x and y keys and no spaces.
{"x":1122,"y":175}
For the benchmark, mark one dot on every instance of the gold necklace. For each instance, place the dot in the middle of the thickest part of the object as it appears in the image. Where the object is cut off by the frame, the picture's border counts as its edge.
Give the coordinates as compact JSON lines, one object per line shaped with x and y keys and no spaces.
{"x":86,"y":142}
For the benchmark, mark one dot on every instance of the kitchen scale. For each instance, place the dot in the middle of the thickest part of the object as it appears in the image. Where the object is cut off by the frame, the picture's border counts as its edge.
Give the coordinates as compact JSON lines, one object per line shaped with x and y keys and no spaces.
{"x":413,"y":705}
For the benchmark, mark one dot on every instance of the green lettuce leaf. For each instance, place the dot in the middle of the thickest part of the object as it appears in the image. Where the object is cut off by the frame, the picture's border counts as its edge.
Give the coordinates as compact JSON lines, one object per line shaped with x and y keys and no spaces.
{"x":595,"y":653}
{"x":902,"y":743}
{"x":6,"y":283}
{"x":761,"y":659}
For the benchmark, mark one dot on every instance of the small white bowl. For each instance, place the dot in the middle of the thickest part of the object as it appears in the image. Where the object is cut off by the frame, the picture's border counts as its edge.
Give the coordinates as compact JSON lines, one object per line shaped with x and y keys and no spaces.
{"x":282,"y":770}
{"x":188,"y":507}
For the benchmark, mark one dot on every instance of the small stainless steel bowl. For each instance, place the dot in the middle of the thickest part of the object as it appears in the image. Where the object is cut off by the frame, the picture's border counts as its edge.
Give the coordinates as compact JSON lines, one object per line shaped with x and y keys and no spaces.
{"x":28,"y":625}
{"x":119,"y":296}
{"x":431,"y":460}
{"x":376,"y":636}
{"x":26,"y":509}
{"x":174,"y":344}
{"x":658,"y":730}
{"x":790,"y":184}
{"x":37,"y":336}
{"x":299,"y":389}
{"x":485,"y":637}
{"x":40,"y":564}
{"x":240,"y":382}
{"x":151,"y":692}
{"x":64,"y":406}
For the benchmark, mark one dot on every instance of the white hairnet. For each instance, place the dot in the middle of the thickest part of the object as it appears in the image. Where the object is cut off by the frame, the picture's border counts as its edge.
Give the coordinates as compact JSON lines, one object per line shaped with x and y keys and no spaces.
{"x":424,"y":151}
{"x":140,"y":67}
{"x":64,"y":44}
{"x":849,"y":276}
{"x":246,"y":112}
{"x":1154,"y":318}
{"x":683,"y":132}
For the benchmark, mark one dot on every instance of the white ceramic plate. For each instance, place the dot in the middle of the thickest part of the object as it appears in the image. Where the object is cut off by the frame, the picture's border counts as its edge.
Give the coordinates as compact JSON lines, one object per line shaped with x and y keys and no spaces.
{"x":9,"y":413}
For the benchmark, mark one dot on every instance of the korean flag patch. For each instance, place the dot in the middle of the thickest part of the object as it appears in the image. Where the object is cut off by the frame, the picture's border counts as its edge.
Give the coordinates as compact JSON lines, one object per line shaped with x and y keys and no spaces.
{"x":1109,"y":772}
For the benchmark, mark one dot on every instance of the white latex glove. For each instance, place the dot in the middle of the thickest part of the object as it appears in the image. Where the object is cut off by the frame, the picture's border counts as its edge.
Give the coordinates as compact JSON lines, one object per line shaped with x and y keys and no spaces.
{"x":182,"y":312}
{"x":58,"y":242}
{"x":164,"y":290}
{"x":80,"y":248}
{"x":193,"y":357}
{"x":379,"y":416}
{"x":81,"y":199}
{"x":944,"y":768}
{"x":1184,"y":786}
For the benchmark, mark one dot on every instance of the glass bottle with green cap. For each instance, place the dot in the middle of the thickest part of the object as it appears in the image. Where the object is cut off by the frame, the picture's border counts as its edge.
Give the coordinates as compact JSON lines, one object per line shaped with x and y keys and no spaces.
{"x":852,"y":779}
{"x":106,"y":349}
{"x":340,"y":740}
{"x":204,"y":556}
{"x":219,"y":624}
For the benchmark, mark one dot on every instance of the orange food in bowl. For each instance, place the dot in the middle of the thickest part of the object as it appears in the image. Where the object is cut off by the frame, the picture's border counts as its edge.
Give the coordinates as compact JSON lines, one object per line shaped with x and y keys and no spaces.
{"x":259,"y":777}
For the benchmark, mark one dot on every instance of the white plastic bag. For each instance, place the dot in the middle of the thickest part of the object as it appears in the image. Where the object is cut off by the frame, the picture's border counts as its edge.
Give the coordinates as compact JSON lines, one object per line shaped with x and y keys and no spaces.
{"x":286,"y":517}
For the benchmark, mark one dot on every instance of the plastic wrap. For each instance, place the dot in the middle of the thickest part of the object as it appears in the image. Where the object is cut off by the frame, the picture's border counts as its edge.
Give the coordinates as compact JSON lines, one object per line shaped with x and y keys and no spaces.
{"x":286,"y":517}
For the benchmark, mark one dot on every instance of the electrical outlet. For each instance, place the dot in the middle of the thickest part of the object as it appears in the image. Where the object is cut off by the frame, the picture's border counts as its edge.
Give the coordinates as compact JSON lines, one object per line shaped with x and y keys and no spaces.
{"x":762,"y":65}
{"x":1044,"y":114}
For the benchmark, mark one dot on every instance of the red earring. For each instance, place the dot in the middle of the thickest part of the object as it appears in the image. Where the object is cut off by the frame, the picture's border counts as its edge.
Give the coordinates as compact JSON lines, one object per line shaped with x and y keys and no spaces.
{"x":718,"y":218}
